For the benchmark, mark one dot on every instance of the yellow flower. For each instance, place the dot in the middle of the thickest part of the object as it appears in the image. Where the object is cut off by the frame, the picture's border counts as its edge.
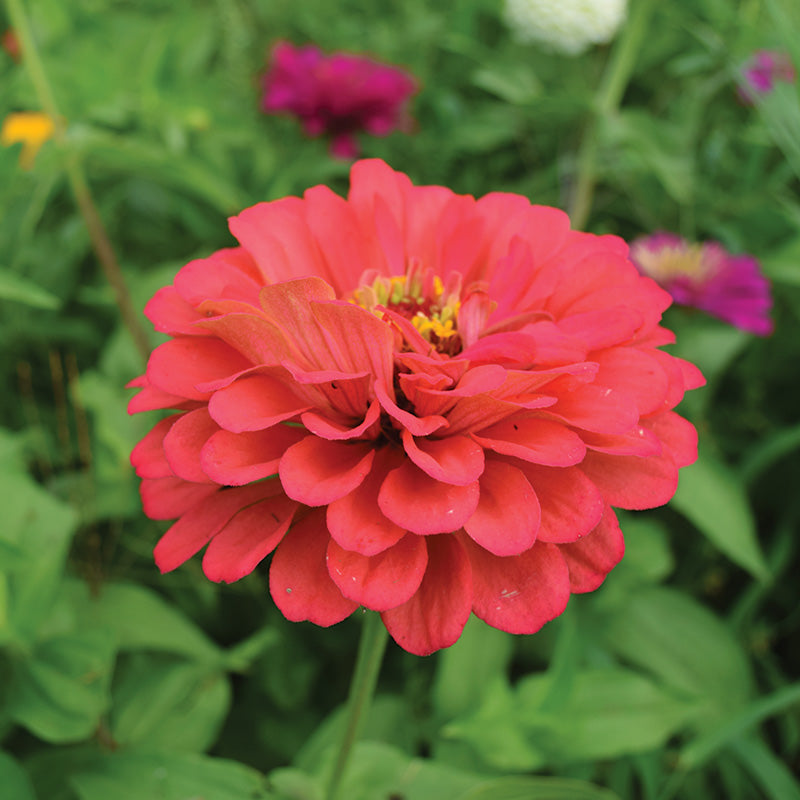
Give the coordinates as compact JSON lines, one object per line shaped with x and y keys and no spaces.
{"x":32,"y":128}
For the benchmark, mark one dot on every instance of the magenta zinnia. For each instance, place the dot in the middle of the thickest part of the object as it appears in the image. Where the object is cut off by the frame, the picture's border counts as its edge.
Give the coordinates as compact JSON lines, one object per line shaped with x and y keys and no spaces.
{"x":423,"y":403}
{"x":706,"y":276}
{"x":762,"y":71}
{"x":337,"y":95}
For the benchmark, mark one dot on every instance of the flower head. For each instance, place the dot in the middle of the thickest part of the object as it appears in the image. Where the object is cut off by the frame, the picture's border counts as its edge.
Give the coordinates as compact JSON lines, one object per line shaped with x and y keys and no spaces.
{"x":706,"y":276}
{"x":32,"y":128}
{"x":566,"y":26}
{"x":10,"y":43}
{"x":423,"y":403}
{"x":761,"y":72}
{"x":337,"y":95}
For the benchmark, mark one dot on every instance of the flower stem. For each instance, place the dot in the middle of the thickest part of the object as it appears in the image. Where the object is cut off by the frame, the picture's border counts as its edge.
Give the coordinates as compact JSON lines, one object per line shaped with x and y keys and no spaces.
{"x":101,"y":244}
{"x":362,"y":687}
{"x":609,"y":95}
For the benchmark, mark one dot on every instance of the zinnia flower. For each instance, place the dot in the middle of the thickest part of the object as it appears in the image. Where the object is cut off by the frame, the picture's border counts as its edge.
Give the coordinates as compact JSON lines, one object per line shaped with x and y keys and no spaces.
{"x":762,"y":70}
{"x":706,"y":276}
{"x":566,"y":26}
{"x":337,"y":95}
{"x":32,"y":128}
{"x":425,"y":404}
{"x":10,"y":43}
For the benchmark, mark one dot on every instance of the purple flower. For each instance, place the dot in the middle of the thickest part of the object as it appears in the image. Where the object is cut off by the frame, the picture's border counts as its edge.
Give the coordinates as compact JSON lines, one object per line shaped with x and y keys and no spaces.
{"x":708,"y":277}
{"x":337,"y":95}
{"x":760,"y":73}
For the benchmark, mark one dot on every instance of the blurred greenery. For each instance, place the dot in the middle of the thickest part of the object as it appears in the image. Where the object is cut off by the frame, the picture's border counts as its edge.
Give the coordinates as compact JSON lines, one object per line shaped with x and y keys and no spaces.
{"x":678,"y":678}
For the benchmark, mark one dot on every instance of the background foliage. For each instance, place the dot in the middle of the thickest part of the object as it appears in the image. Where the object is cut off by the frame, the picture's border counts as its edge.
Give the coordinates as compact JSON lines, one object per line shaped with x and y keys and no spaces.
{"x":677,"y":678}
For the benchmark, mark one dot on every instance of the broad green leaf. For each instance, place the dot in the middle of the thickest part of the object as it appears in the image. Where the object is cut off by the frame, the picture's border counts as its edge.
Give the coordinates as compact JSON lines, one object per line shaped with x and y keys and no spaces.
{"x":15,"y":783}
{"x":464,"y":670}
{"x":697,"y":752}
{"x":495,"y":731}
{"x":714,"y":499}
{"x":15,"y":288}
{"x":610,"y":712}
{"x":537,"y":789}
{"x":62,"y":688}
{"x":682,"y":644}
{"x":136,"y":776}
{"x":39,"y":527}
{"x":648,"y":558}
{"x":140,"y":619}
{"x":168,"y":706}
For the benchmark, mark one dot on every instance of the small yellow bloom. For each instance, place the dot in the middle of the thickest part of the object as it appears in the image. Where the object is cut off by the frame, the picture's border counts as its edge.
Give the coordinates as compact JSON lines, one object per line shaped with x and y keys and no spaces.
{"x":32,"y":128}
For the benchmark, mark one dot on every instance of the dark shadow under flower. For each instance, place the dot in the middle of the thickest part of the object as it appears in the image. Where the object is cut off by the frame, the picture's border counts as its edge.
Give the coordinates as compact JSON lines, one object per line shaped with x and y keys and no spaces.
{"x":337,"y":95}
{"x":706,"y":276}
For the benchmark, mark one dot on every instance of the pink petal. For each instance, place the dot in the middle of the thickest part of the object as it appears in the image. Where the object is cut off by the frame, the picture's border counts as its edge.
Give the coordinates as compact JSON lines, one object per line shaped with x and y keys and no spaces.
{"x":185,"y":440}
{"x":298,"y":578}
{"x":326,"y":428}
{"x":453,"y":459}
{"x":571,"y":504}
{"x":150,"y":399}
{"x":253,"y":403}
{"x":418,"y":426}
{"x":603,"y":327}
{"x":632,"y":482}
{"x":639,"y":441}
{"x":248,"y":539}
{"x":595,"y":408}
{"x":418,"y":503}
{"x":147,"y":457}
{"x":356,"y":522}
{"x":318,"y":471}
{"x":234,"y":459}
{"x":203,"y":521}
{"x":521,"y":593}
{"x":540,"y":441}
{"x":591,"y":558}
{"x":382,"y":581}
{"x":507,"y":518}
{"x":168,"y":498}
{"x":178,"y":365}
{"x":435,"y":616}
{"x":677,"y":434}
{"x":170,"y":313}
{"x":636,"y":374}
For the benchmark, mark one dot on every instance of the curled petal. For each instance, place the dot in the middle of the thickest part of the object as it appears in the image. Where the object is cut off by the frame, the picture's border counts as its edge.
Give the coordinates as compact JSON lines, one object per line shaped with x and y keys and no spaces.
{"x":318,"y":471}
{"x":677,"y":434}
{"x":453,"y":459}
{"x":253,"y":403}
{"x":435,"y":616}
{"x":520,"y":593}
{"x":299,"y":581}
{"x":506,"y":520}
{"x":382,"y":581}
{"x":591,"y":558}
{"x":248,"y":539}
{"x":418,"y":503}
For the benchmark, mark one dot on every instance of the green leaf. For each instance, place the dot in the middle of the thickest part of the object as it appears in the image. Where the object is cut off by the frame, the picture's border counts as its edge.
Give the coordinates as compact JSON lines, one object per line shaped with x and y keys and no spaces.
{"x":770,"y":772}
{"x":168,"y":706}
{"x":142,"y":620}
{"x":648,"y":558}
{"x":20,"y":290}
{"x":14,"y":780}
{"x":714,"y":499}
{"x":610,"y":712}
{"x":537,"y":789}
{"x":60,"y":691}
{"x":464,"y":670}
{"x":684,"y":645}
{"x":696,"y":753}
{"x":135,"y":776}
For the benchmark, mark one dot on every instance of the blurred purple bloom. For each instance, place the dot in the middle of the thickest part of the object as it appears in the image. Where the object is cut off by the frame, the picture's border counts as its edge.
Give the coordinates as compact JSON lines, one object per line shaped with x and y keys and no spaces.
{"x":706,"y":276}
{"x":760,"y":73}
{"x":337,"y":95}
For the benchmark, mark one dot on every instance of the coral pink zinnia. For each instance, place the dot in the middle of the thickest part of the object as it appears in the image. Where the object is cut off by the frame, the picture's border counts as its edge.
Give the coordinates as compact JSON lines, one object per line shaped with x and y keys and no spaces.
{"x":423,"y":403}
{"x":339,"y":95}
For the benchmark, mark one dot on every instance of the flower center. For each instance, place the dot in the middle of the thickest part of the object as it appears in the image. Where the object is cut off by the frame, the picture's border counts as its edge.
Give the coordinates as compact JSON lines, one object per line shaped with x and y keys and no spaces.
{"x":667,"y":263}
{"x":421,"y":297}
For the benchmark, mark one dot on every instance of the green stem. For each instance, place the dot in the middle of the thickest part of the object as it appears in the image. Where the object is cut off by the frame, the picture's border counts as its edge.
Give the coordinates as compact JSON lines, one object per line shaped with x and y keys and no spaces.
{"x":609,"y":95}
{"x":101,"y":244}
{"x":362,"y":687}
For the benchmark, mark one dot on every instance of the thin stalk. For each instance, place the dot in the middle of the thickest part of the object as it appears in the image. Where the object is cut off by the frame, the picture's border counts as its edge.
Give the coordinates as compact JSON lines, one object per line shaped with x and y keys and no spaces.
{"x":362,"y":687}
{"x":609,"y":95}
{"x":101,"y":244}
